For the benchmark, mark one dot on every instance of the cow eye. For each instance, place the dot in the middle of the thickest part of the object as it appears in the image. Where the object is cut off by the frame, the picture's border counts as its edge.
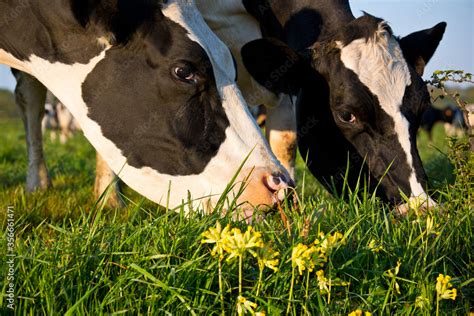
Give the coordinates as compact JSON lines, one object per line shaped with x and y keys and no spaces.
{"x":185,"y":73}
{"x":347,"y":117}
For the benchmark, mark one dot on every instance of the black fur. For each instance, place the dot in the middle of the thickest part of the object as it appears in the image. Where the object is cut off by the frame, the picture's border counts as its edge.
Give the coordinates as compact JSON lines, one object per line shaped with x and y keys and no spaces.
{"x":422,"y":44}
{"x":123,"y":18}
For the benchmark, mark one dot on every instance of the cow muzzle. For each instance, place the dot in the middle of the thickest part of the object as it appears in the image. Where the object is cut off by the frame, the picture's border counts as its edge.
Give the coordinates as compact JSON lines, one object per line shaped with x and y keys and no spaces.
{"x":419,"y":205}
{"x":264,"y":189}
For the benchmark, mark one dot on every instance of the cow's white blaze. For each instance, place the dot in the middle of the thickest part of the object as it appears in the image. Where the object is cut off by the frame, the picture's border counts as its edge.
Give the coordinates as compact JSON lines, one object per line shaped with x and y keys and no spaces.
{"x":242,"y":137}
{"x":243,"y":134}
{"x":379,"y":64}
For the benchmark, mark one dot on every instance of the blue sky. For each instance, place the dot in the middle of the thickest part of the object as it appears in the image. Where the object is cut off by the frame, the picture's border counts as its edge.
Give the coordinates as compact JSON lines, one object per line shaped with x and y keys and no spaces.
{"x":406,"y":16}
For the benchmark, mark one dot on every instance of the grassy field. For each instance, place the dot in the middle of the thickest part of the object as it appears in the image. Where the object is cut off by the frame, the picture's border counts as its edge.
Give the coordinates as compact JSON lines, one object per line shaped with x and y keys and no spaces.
{"x":73,"y":256}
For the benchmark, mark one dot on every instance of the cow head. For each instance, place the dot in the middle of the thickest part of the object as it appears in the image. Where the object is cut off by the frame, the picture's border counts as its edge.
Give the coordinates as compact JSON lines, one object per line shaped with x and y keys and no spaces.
{"x":376,"y":93}
{"x":154,"y":91}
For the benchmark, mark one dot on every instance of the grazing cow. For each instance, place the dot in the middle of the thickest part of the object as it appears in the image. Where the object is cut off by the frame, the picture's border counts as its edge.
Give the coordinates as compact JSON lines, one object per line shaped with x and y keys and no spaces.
{"x":57,"y":118}
{"x":451,"y":116}
{"x":359,"y":88}
{"x":153,"y":90}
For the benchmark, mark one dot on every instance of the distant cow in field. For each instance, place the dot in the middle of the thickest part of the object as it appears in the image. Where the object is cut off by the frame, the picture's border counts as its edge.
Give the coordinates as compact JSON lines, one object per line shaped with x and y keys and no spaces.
{"x":357,"y":88}
{"x":451,"y":116}
{"x":58,"y":119}
{"x":153,"y":90}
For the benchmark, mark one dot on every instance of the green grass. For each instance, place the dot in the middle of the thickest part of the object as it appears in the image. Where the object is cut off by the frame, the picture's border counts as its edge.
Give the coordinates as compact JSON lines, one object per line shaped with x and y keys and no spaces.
{"x":74,"y":256}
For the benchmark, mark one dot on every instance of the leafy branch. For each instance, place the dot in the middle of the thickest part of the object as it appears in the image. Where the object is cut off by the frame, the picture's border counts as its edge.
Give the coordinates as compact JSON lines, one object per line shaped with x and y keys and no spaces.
{"x":439,"y":80}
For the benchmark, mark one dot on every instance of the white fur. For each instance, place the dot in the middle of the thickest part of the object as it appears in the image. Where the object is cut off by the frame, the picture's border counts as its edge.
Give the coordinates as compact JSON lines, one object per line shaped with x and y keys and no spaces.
{"x":230,"y":21}
{"x":380,"y":65}
{"x":242,"y":137}
{"x":8,"y":59}
{"x":235,"y":27}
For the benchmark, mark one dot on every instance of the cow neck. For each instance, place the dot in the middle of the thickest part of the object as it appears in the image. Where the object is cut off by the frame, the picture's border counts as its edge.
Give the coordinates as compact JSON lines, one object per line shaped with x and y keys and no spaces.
{"x":54,"y":35}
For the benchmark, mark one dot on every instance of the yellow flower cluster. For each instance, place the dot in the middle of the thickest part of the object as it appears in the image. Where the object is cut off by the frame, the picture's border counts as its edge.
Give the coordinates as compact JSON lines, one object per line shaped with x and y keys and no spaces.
{"x":238,"y":243}
{"x":327,"y":242}
{"x":232,"y":241}
{"x":235,"y":244}
{"x":216,"y":236}
{"x":374,"y":246}
{"x":358,"y":312}
{"x":244,"y":306}
{"x":323,"y":282}
{"x":268,"y":258}
{"x":307,"y":257}
{"x":444,"y":288}
{"x":302,"y":257}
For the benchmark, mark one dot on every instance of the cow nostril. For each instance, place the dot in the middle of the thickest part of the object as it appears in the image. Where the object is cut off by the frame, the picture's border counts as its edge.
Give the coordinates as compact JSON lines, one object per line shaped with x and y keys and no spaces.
{"x":277,"y":182}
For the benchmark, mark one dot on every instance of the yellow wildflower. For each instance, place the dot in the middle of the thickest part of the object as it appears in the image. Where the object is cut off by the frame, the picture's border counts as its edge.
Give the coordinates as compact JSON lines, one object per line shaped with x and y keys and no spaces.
{"x":329,"y":241}
{"x":375,"y":246}
{"x":444,"y":288}
{"x":449,"y":294}
{"x":268,"y":258}
{"x":262,"y":313}
{"x":358,"y":312}
{"x":216,"y":236}
{"x":323,"y":282}
{"x":302,"y":257}
{"x":422,"y":302}
{"x":238,"y":243}
{"x":244,"y":306}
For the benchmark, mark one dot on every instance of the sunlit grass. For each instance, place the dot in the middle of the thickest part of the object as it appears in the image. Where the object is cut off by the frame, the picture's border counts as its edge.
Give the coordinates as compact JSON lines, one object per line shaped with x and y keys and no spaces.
{"x":76,"y":257}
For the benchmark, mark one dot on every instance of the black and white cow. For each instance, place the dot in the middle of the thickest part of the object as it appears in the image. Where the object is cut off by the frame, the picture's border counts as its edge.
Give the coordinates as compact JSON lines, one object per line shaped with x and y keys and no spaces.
{"x":359,"y":88}
{"x":236,"y":27}
{"x":30,"y":97}
{"x":153,"y":90}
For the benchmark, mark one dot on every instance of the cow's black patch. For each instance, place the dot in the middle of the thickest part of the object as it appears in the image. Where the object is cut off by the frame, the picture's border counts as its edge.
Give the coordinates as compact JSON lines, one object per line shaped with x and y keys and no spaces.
{"x":47,"y":30}
{"x":157,"y":120}
{"x":363,"y":27}
{"x":262,"y":11}
{"x":321,"y":142}
{"x":123,"y":18}
{"x":67,"y":31}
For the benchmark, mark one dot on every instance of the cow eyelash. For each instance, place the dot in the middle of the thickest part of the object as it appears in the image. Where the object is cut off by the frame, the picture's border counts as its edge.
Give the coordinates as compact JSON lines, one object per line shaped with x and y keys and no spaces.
{"x":347,"y":117}
{"x":185,"y":73}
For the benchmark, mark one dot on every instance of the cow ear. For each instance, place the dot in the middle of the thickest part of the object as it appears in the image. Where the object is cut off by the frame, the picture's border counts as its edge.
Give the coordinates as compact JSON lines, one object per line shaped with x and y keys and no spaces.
{"x":272,"y":64}
{"x":322,"y":56}
{"x":419,"y":47}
